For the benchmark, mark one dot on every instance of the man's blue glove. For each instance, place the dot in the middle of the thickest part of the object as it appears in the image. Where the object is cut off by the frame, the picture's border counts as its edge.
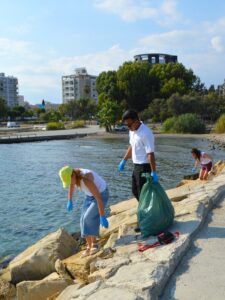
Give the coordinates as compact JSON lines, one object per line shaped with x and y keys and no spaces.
{"x":122,"y":165}
{"x":104,"y":222}
{"x":154,"y":176}
{"x":194,"y":170}
{"x":69,"y":205}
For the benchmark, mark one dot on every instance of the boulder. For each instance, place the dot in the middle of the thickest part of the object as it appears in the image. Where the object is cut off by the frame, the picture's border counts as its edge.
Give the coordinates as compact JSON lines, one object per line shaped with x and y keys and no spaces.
{"x":182,"y":192}
{"x":38,"y":261}
{"x":112,"y":293}
{"x":42,"y":289}
{"x":61,"y":270}
{"x":7,"y":290}
{"x":128,"y":217}
{"x":105,"y":268}
{"x":123,"y":206}
{"x":80,"y":293}
{"x":79,"y":267}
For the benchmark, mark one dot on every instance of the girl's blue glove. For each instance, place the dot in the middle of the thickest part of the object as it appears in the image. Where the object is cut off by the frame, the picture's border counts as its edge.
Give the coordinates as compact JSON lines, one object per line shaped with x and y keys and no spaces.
{"x":104,"y":222}
{"x":69,"y":205}
{"x":194,"y":170}
{"x":154,"y":176}
{"x":122,"y":165}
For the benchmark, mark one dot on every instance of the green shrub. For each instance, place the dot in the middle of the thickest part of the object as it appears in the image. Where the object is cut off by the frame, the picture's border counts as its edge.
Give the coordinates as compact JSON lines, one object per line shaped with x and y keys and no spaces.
{"x":55,"y":126}
{"x":168,"y":125}
{"x":77,"y":124}
{"x":186,"y":123}
{"x":220,"y":124}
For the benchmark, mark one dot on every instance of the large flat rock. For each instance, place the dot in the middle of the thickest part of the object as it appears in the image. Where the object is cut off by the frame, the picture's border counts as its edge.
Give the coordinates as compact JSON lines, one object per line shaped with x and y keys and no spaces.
{"x":42,"y":289}
{"x":38,"y":261}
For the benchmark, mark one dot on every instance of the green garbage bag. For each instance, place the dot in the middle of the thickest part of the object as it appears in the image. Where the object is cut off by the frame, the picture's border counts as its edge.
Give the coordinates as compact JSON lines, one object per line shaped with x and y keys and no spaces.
{"x":155,"y":211}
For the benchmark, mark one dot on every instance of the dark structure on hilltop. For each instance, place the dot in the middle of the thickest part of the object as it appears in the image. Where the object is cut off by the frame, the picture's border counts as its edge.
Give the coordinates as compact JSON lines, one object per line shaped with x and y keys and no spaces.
{"x":156,"y":58}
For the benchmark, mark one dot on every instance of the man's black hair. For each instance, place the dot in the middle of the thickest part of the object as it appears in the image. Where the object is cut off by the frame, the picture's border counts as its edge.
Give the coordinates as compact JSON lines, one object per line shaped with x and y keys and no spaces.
{"x":130,"y":114}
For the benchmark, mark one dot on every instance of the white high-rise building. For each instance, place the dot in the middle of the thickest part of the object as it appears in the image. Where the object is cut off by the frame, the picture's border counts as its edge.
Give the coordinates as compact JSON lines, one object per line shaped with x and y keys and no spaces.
{"x":9,"y":89}
{"x":221,"y":89}
{"x":79,"y":85}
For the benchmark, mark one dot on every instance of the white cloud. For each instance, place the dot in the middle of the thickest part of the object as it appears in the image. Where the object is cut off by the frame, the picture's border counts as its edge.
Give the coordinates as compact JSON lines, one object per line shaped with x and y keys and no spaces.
{"x":200,"y":48}
{"x":217,"y":27}
{"x":128,"y":10}
{"x":13,"y":47}
{"x":42,"y":78}
{"x":197,"y":49}
{"x":95,"y":62}
{"x":169,"y":13}
{"x":176,"y":40}
{"x":164,"y":13}
{"x":217,"y":43}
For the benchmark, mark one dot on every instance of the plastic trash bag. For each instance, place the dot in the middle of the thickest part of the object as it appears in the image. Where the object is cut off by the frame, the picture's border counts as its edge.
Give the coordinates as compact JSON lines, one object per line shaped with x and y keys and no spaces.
{"x":155,"y":210}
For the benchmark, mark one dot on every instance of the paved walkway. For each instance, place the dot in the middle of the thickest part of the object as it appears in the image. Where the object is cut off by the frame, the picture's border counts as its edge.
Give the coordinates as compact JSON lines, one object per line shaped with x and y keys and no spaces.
{"x":14,"y":136}
{"x":201,"y":273}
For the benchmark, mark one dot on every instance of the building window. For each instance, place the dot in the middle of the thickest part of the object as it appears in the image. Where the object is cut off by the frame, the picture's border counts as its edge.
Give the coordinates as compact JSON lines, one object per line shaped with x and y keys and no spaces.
{"x":153,"y":59}
{"x":162,"y":59}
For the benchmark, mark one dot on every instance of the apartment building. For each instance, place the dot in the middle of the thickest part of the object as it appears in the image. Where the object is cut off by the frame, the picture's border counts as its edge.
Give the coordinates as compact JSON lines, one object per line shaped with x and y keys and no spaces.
{"x":221,"y":89}
{"x":79,"y":85}
{"x":9,"y":89}
{"x":156,"y":58}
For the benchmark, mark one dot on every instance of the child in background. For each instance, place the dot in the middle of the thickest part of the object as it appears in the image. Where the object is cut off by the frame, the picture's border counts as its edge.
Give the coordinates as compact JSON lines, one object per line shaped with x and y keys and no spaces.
{"x":96,"y":198}
{"x":205,"y":160}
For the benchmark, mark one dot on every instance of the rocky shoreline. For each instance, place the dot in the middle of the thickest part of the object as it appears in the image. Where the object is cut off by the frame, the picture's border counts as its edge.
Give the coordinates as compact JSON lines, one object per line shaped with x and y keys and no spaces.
{"x":53,"y":269}
{"x":218,"y":139}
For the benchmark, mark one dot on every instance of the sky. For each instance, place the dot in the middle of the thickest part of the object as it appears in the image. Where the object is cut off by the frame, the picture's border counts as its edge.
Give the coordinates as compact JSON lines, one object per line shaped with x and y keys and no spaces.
{"x":42,"y":40}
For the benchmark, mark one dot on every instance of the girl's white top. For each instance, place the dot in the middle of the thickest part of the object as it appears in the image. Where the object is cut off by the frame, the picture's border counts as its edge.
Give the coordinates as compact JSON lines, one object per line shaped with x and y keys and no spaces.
{"x":204,"y":160}
{"x":98,"y":181}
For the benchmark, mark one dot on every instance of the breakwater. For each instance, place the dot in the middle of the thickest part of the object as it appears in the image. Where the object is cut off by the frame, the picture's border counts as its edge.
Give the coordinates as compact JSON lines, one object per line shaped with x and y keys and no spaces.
{"x":57,"y":270}
{"x":39,"y":138}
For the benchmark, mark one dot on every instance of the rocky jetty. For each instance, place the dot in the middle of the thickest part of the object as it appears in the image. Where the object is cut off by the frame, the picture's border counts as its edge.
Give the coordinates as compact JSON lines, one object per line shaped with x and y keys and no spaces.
{"x":218,"y":140}
{"x":53,"y":267}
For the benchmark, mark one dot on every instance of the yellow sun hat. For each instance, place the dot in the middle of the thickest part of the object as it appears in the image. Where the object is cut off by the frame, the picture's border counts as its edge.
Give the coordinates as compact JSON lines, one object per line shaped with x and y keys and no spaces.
{"x":65,"y":175}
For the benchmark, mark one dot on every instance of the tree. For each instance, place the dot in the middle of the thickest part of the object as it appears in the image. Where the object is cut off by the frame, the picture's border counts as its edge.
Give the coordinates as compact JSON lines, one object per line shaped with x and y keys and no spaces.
{"x":107,"y":83}
{"x":82,"y":109}
{"x":175,"y":78}
{"x":135,"y":84}
{"x":51,"y":116}
{"x":109,"y":114}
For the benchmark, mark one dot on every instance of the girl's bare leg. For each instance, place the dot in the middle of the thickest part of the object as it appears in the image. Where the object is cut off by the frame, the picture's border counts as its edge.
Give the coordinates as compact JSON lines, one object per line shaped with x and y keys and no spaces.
{"x":89,"y":241}
{"x":201,"y":174}
{"x":205,"y":175}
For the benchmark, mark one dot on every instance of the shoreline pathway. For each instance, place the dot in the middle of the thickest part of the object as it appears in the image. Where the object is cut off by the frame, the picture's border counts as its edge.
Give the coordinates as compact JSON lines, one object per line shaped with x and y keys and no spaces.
{"x":19,"y":136}
{"x":201,"y":274}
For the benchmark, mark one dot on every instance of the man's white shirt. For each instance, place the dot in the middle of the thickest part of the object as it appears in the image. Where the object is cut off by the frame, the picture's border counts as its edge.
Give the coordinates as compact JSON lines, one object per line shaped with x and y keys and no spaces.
{"x":142,"y":142}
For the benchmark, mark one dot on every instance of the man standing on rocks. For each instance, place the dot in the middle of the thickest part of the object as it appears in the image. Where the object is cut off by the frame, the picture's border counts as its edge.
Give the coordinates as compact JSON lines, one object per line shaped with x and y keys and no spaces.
{"x":141,"y":150}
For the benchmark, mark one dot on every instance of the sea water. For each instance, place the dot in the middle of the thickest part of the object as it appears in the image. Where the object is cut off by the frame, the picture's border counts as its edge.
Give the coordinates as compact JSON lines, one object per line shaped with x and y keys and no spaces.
{"x":33,"y":202}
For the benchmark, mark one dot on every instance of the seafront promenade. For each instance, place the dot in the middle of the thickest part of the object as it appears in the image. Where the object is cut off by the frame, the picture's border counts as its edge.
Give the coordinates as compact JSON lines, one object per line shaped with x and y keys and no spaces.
{"x":9,"y":136}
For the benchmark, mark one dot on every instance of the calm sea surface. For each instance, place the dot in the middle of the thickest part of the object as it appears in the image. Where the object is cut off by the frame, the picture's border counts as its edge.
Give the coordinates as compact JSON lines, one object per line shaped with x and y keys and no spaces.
{"x":32,"y":200}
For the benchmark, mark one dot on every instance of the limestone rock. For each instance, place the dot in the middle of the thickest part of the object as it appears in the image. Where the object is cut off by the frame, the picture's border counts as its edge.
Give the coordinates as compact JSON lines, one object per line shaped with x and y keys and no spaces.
{"x":136,"y":277}
{"x":79,"y":267}
{"x":7,"y":290}
{"x":181,"y":192}
{"x":128,"y":217}
{"x":111,"y":241}
{"x":38,"y":261}
{"x":74,"y":292}
{"x":105,"y":268}
{"x":61,"y":270}
{"x":113,"y":293}
{"x":123,"y":206}
{"x":42,"y":289}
